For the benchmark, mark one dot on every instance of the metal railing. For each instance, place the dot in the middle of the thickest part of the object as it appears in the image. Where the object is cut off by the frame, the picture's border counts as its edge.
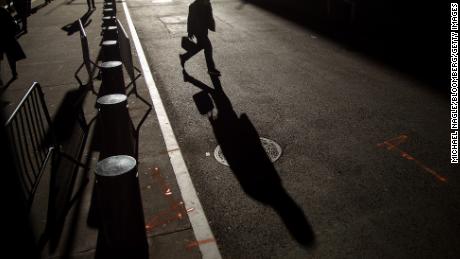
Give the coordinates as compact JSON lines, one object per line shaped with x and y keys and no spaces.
{"x":32,"y":139}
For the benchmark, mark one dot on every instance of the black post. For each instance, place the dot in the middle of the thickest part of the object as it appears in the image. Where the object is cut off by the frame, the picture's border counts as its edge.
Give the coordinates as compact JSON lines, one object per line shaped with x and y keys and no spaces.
{"x":116,"y":125}
{"x":108,"y":21}
{"x":110,"y":50}
{"x":109,"y":12}
{"x":122,"y":228}
{"x":110,"y":33}
{"x":112,"y":78}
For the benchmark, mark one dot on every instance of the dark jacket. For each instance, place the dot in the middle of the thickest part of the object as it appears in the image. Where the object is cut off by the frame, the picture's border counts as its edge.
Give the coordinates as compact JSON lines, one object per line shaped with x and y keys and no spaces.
{"x":8,"y":42}
{"x":200,"y":19}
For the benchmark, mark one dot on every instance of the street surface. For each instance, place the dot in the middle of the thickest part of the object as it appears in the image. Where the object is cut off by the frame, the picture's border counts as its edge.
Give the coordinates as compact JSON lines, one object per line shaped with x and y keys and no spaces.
{"x":365,"y":169}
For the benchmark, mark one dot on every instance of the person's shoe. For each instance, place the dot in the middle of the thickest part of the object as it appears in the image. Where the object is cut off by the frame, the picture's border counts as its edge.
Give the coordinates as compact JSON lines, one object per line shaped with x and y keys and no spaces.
{"x":214,"y":72}
{"x":182,"y":60}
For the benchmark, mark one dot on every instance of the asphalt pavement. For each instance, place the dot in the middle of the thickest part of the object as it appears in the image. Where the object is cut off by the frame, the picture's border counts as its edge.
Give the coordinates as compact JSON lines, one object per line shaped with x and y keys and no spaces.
{"x":365,"y":147}
{"x":364,"y":168}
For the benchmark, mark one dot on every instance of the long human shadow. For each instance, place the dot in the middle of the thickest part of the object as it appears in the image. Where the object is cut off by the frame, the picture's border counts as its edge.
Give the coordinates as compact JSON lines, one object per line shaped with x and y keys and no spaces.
{"x":241,"y":146}
{"x":73,"y":27}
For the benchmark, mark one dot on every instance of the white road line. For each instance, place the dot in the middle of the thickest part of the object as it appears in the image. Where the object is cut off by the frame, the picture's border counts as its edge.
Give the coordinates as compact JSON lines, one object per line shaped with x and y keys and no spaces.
{"x":197,"y":217}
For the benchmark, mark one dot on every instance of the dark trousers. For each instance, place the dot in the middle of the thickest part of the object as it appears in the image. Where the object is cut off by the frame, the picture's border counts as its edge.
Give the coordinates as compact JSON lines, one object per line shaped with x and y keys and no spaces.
{"x":12,"y":63}
{"x":203,"y":42}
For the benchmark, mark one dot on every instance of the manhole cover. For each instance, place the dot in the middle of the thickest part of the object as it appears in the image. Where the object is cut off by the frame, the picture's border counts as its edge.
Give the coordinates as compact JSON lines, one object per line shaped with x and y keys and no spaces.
{"x":272,"y":149}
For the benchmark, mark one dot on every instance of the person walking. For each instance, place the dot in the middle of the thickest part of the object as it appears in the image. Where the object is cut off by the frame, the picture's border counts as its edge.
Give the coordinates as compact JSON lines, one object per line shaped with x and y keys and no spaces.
{"x":23,"y":9}
{"x":199,"y":21}
{"x":9,"y":45}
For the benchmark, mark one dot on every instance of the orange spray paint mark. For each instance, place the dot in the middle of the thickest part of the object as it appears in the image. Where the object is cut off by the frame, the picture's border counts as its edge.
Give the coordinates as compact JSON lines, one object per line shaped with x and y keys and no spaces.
{"x":392,"y":144}
{"x":194,"y":244}
{"x":176,"y":210}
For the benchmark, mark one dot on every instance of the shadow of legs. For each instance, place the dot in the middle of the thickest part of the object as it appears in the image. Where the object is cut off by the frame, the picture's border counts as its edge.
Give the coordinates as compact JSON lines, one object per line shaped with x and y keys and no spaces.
{"x":241,"y":146}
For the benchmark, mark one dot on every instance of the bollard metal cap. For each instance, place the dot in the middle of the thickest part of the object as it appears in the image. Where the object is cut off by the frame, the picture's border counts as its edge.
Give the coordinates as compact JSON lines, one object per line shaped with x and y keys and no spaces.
{"x":111,"y":64}
{"x":115,"y":165}
{"x":109,"y":28}
{"x":111,"y":99}
{"x":109,"y":42}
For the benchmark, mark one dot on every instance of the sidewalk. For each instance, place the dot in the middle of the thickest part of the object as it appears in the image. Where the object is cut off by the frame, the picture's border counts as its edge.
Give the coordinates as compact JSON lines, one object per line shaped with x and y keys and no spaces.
{"x":53,"y":50}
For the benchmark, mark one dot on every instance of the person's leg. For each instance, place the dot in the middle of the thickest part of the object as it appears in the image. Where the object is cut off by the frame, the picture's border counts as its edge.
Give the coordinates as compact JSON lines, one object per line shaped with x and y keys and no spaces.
{"x":23,"y":17}
{"x":206,"y":43}
{"x":12,"y":63}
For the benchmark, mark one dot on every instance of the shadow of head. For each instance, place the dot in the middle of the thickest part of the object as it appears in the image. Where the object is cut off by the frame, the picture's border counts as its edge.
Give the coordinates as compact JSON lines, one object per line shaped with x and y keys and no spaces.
{"x":241,"y":146}
{"x":73,"y":27}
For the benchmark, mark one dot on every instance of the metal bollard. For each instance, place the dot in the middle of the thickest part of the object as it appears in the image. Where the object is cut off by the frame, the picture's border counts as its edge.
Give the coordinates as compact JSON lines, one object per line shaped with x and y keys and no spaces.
{"x":109,"y":12}
{"x":118,"y":133}
{"x":110,"y":1}
{"x":109,"y":21}
{"x":112,"y":78}
{"x":119,"y":206}
{"x":110,"y":50}
{"x":109,"y":33}
{"x":110,"y":4}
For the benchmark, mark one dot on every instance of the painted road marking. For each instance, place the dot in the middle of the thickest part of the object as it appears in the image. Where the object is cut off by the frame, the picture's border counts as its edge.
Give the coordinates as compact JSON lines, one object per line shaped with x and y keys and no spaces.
{"x":197,"y":217}
{"x":392,"y":144}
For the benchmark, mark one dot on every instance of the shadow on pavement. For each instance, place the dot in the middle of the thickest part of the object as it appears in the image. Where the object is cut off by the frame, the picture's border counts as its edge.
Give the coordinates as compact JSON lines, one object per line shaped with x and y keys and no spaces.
{"x":408,"y":36}
{"x":71,"y":132}
{"x":241,"y":146}
{"x":17,"y":228}
{"x":116,"y":206}
{"x":73,"y":27}
{"x":38,"y":7}
{"x":3,"y":88}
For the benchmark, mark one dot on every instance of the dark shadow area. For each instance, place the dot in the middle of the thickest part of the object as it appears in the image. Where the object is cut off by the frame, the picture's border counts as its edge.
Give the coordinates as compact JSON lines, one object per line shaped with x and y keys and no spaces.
{"x":241,"y":146}
{"x":116,"y":204}
{"x":73,"y":27}
{"x":3,"y":104}
{"x":76,"y":202}
{"x":38,"y":7}
{"x":43,"y":146}
{"x":120,"y":214}
{"x":3,"y":88}
{"x":409,"y":36}
{"x":20,"y":34}
{"x":70,"y":131}
{"x":31,"y":148}
{"x":19,"y":239}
